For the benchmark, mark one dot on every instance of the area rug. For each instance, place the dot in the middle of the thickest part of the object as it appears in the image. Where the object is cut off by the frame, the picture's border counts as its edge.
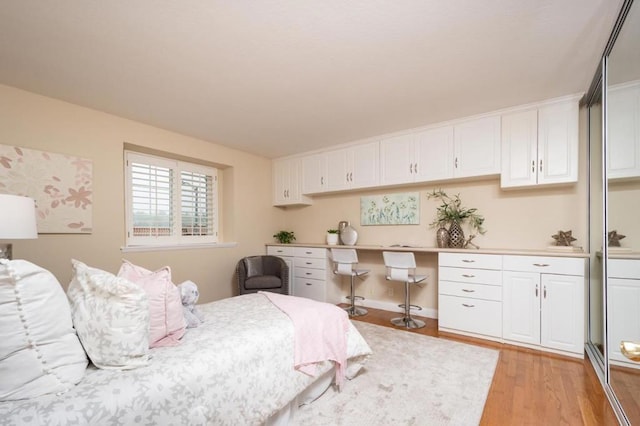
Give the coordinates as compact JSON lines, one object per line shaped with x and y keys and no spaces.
{"x":410,"y":379}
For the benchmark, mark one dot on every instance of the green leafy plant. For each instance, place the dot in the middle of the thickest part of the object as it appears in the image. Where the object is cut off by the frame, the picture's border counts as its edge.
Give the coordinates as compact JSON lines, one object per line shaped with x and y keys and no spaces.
{"x":333,"y":231}
{"x":285,"y":237}
{"x":451,"y":210}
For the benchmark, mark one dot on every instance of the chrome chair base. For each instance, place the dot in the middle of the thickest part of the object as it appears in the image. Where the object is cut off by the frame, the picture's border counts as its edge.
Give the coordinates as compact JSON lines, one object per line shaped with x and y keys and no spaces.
{"x":355,"y":311}
{"x":407,"y":322}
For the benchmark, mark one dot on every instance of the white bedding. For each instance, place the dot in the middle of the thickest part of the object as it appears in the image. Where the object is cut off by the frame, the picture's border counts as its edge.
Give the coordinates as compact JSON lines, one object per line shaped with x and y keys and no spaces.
{"x":236,"y":368}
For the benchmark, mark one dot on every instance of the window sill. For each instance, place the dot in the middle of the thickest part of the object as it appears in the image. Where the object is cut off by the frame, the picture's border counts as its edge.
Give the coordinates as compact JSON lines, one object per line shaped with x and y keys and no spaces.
{"x":164,"y":247}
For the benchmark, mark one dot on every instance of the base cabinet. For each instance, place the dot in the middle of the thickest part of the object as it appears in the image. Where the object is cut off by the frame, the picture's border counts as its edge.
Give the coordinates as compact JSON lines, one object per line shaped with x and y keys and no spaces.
{"x":624,"y":307}
{"x":287,"y":254}
{"x":541,"y":309}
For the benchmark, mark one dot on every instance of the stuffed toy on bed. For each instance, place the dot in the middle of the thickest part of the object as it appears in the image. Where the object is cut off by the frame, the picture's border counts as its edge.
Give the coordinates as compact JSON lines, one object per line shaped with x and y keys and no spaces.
{"x":189,"y":294}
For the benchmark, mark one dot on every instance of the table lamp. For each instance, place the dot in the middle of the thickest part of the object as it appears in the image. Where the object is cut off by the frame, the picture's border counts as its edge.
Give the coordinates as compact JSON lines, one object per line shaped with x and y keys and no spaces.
{"x":17,"y":221}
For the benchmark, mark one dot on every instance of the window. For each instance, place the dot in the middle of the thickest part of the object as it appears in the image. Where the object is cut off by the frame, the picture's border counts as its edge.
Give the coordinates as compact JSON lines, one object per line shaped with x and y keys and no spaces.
{"x":170,"y":202}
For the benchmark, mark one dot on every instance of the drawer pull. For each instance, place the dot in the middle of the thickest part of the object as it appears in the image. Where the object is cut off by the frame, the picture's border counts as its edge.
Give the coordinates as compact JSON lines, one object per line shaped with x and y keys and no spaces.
{"x":309,"y":263}
{"x":468,"y":306}
{"x":279,"y":251}
{"x":536,"y":290}
{"x":468,"y":260}
{"x":541,"y":265}
{"x":466,"y":290}
{"x":308,"y":252}
{"x":308,"y":284}
{"x":308,"y":273}
{"x":468,"y":275}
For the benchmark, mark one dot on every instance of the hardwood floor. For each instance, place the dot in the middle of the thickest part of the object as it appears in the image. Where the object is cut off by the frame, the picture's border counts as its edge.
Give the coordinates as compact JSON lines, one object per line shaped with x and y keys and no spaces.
{"x":530,"y":387}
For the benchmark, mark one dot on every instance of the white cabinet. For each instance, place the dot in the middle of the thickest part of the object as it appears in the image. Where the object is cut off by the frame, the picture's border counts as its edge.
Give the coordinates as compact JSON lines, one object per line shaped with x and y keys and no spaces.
{"x":623,"y":140}
{"x":310,"y":273}
{"x":477,"y":147}
{"x":466,"y":149}
{"x":287,"y":182}
{"x":623,"y":311}
{"x":354,"y":167}
{"x":543,"y":302}
{"x":470,"y":294}
{"x":540,"y":146}
{"x":287,"y":254}
{"x":314,"y":173}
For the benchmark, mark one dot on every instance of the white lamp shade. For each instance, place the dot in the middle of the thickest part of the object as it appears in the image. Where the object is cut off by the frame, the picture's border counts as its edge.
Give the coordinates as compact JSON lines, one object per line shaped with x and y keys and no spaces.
{"x":17,"y":217}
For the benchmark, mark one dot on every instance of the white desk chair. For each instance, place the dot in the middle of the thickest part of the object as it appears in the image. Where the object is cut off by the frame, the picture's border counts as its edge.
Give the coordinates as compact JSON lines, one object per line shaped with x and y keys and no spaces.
{"x":401,"y":267}
{"x":344,"y":262}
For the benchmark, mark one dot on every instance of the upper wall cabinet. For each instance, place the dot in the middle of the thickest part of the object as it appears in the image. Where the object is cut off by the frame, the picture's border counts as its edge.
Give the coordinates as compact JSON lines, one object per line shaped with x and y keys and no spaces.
{"x":540,"y":146}
{"x":287,"y":182}
{"x":314,"y":173}
{"x":354,"y":167}
{"x":623,"y":104}
{"x":467,"y":149}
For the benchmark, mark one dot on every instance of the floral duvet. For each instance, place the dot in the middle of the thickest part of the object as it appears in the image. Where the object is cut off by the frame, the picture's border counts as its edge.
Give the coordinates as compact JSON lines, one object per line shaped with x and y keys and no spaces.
{"x":236,"y":368}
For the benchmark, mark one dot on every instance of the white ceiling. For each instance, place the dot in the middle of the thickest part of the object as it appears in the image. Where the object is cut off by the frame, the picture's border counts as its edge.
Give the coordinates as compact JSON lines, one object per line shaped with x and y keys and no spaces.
{"x":277,"y":77}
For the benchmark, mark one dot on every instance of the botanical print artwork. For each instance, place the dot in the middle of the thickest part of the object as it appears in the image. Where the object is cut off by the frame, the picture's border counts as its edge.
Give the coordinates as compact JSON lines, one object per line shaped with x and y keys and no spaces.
{"x":60,"y":184}
{"x":390,"y":209}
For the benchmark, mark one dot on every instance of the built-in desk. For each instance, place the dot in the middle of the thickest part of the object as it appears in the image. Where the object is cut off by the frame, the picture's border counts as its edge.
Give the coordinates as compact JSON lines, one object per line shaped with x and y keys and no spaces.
{"x":532,"y":298}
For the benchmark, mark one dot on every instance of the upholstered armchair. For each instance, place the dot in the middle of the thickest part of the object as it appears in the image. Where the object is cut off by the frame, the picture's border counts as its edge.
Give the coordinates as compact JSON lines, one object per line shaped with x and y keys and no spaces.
{"x":262,"y":273}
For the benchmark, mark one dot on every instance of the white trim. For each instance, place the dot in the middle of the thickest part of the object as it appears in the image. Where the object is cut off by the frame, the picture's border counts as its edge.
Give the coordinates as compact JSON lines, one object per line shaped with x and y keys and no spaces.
{"x":164,"y":247}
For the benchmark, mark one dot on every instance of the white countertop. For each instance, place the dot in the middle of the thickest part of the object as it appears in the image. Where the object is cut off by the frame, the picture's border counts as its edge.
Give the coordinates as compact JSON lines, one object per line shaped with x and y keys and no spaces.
{"x":555,"y":252}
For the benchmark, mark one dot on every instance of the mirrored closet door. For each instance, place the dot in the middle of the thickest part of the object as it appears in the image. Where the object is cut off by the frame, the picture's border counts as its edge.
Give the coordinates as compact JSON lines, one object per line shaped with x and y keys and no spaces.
{"x":614,"y":209}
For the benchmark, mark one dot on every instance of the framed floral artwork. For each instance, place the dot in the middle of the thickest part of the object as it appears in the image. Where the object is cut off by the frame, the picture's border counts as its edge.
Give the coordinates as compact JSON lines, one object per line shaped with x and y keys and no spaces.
{"x":60,"y":184}
{"x":390,"y":209}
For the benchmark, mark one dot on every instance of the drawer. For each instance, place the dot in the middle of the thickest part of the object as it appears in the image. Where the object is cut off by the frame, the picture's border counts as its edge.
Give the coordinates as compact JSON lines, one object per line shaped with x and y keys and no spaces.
{"x":317,"y":274}
{"x":310,"y":262}
{"x":316,"y":252}
{"x":545,"y":264}
{"x":470,"y":315}
{"x":310,"y":288}
{"x":464,"y":275}
{"x":624,"y":268}
{"x":475,"y":291}
{"x":471,"y":260}
{"x":280,"y":251}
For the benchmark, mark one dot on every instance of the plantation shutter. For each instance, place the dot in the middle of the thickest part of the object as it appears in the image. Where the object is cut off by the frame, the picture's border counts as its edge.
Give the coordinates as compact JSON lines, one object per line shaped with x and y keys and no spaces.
{"x":197,"y":203}
{"x":151,"y":200}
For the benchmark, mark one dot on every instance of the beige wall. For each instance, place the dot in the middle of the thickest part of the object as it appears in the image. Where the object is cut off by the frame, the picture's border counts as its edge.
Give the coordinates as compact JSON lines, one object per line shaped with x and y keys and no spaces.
{"x":32,"y":121}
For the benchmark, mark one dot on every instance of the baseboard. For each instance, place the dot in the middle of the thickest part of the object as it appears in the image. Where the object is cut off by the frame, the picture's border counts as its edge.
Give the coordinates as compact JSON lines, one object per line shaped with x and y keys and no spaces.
{"x":392,"y":307}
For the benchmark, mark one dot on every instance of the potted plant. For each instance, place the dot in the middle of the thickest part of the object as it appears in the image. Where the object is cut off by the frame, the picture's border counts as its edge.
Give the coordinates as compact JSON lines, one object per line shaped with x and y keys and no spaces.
{"x":332,"y":236}
{"x":452,"y":213}
{"x":285,"y":237}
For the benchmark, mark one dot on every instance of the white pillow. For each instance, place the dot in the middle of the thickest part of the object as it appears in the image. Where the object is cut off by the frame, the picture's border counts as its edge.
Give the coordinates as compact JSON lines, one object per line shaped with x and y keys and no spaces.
{"x":111,"y":315}
{"x":39,"y":350}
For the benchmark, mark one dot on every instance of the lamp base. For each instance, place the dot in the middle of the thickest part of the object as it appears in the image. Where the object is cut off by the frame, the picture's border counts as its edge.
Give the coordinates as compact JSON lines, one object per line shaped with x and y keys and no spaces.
{"x":5,"y":251}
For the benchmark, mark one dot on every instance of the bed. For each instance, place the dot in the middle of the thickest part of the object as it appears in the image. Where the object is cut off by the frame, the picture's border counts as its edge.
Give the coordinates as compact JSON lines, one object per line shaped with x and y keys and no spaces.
{"x":236,"y":368}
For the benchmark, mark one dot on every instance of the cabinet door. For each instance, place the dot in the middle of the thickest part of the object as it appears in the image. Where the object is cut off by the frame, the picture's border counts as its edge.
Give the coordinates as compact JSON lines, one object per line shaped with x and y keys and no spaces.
{"x":364,"y":163}
{"x":562,"y":306}
{"x":623,"y":141}
{"x":314,"y":172}
{"x":310,"y":288}
{"x":397,"y":160}
{"x":623,"y":310}
{"x":434,"y":154}
{"x":280,"y":182}
{"x":519,"y":149}
{"x":558,"y":143}
{"x":337,"y":170}
{"x":521,"y":307}
{"x":477,"y":147}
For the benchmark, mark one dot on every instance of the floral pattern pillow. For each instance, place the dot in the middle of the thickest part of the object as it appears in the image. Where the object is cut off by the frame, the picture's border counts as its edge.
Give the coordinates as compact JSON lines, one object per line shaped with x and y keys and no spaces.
{"x":111,"y":316}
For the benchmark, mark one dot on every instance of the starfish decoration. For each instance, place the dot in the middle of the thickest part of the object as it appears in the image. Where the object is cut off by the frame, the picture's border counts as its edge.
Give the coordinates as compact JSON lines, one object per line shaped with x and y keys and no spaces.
{"x":614,"y":238}
{"x":563,"y":238}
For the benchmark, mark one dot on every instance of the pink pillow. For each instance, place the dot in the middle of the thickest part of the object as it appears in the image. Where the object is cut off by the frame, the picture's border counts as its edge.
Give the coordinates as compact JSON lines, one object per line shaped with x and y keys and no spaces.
{"x":166,"y":318}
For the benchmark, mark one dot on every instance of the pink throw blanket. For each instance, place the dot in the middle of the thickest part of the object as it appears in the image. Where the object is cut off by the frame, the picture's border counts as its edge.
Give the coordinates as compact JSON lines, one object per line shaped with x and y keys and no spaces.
{"x":320,"y":332}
